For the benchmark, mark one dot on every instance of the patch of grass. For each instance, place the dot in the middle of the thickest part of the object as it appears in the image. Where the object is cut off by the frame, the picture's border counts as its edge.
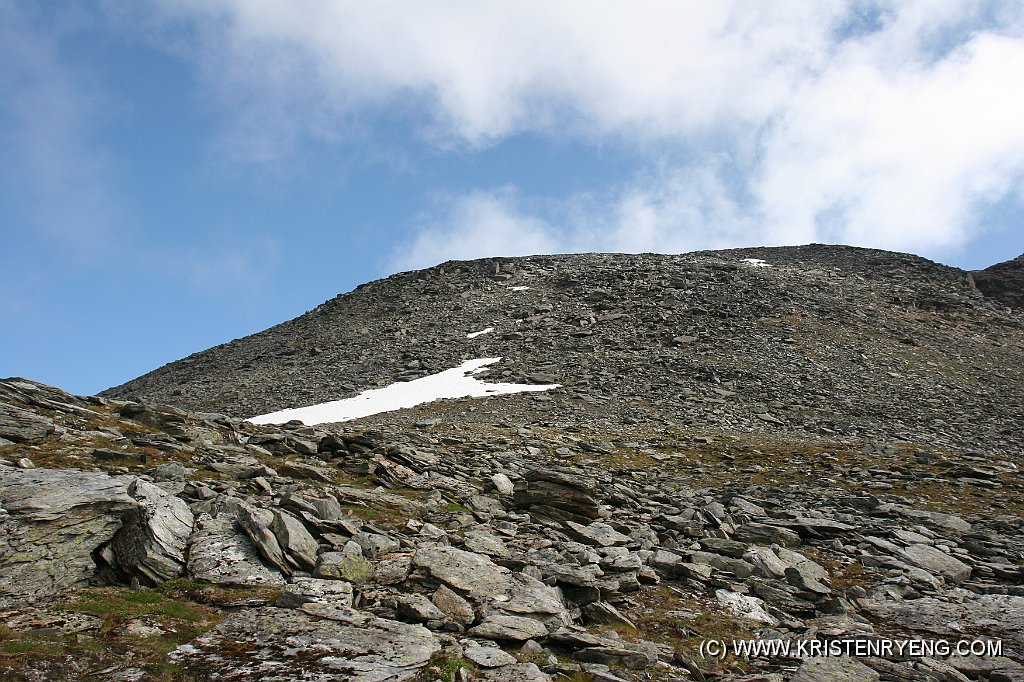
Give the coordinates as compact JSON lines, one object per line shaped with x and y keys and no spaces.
{"x":444,"y":665}
{"x":456,"y":508}
{"x":24,"y":647}
{"x":216,"y":595}
{"x":117,"y":605}
{"x":51,"y":654}
{"x":391,"y":518}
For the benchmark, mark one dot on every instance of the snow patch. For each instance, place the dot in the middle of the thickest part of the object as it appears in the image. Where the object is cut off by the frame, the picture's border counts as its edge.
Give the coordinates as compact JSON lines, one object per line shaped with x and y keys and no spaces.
{"x":473,"y":335}
{"x":451,"y":383}
{"x":756,"y":263}
{"x":518,"y":288}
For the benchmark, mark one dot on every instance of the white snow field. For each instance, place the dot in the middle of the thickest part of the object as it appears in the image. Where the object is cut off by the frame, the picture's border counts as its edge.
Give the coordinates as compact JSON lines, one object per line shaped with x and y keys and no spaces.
{"x":518,"y":288}
{"x":451,"y":383}
{"x":473,"y":335}
{"x":756,"y":263}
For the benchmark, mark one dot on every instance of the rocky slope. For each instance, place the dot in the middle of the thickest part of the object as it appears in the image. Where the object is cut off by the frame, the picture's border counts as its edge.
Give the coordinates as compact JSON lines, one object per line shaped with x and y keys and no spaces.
{"x":826,"y":450}
{"x":1003,"y":282}
{"x":827,"y":341}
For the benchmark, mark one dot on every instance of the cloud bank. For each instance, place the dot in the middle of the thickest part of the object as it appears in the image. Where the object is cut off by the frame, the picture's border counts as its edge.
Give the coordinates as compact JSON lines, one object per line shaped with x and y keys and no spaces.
{"x":888,"y":124}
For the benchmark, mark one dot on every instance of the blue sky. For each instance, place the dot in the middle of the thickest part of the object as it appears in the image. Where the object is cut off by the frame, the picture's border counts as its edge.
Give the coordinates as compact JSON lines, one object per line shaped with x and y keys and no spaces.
{"x":179,"y":174}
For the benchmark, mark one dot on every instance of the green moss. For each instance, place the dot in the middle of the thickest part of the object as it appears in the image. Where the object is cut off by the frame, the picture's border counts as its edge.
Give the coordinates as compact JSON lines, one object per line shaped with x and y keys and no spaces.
{"x":444,"y":666}
{"x":25,"y":647}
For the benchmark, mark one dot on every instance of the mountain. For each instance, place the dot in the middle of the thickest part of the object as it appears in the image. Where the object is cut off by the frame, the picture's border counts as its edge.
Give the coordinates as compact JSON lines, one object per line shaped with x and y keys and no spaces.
{"x":822,"y":340}
{"x":815,"y":448}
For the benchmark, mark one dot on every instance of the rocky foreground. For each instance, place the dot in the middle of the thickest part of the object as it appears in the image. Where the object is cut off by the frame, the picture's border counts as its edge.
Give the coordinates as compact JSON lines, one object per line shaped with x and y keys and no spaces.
{"x":140,"y":542}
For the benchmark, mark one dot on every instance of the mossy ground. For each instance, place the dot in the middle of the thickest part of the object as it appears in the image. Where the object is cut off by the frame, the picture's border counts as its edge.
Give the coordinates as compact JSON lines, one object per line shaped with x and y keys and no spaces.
{"x":128,"y":628}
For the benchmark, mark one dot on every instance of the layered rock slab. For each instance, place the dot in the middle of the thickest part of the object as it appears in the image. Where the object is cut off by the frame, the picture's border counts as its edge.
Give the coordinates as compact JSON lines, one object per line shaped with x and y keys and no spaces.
{"x":280,"y":645}
{"x":51,"y":520}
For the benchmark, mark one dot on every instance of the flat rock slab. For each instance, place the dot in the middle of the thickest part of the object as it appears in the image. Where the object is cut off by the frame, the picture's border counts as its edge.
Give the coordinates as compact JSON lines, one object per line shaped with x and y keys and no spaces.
{"x":994,"y":615}
{"x":484,"y":582}
{"x":514,"y":628}
{"x":220,"y":553}
{"x":936,"y":561}
{"x":471,"y":573}
{"x":280,"y":645}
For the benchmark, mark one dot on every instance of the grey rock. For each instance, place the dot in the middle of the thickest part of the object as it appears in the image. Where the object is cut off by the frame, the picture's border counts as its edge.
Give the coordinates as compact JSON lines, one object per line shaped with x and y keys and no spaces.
{"x":518,"y":672}
{"x":619,"y":655}
{"x":220,"y":553}
{"x":998,"y":616}
{"x":482,"y":542}
{"x":23,"y":426}
{"x":838,"y":669}
{"x":502,"y":484}
{"x":487,"y":656}
{"x":153,"y":541}
{"x":509,"y":628}
{"x":51,"y":520}
{"x":454,"y":607}
{"x":597,"y":533}
{"x":767,"y":534}
{"x":417,"y":607}
{"x":936,"y":561}
{"x":375,"y":544}
{"x":171,"y":471}
{"x":291,"y":645}
{"x":392,"y":569}
{"x":302,"y":590}
{"x":294,"y":540}
{"x":557,"y":494}
{"x":348,"y":564}
{"x":257,"y":522}
{"x":472,"y":574}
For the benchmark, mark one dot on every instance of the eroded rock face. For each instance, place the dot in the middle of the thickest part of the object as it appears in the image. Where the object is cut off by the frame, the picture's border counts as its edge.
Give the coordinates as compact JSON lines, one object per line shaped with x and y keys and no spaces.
{"x":278,"y":645}
{"x":52,"y":522}
{"x":152,"y":543}
{"x":23,"y":426}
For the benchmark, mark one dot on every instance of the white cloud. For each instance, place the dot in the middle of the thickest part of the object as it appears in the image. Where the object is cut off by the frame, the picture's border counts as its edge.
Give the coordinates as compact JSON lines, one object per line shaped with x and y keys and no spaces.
{"x":887,"y":124}
{"x":478,"y":225}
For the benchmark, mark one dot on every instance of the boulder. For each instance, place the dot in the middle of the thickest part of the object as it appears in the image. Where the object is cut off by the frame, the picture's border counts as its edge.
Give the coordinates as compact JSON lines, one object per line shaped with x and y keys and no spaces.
{"x":292,"y":537}
{"x":348,"y":564}
{"x":256,"y":522}
{"x":558,"y":494}
{"x":510,"y":628}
